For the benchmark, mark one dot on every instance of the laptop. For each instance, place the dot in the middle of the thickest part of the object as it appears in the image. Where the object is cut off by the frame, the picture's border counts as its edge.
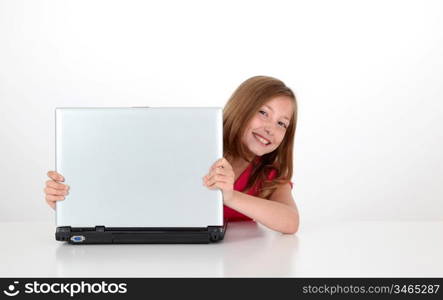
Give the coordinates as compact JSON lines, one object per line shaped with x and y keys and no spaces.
{"x":135,"y":175}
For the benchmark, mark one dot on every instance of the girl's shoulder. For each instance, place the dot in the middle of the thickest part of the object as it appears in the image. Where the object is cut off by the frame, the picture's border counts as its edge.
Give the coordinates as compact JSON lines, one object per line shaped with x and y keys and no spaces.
{"x":273,"y":174}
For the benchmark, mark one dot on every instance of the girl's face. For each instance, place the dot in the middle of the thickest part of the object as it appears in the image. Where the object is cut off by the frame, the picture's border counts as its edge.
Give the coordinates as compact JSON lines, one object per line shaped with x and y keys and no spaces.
{"x":266,"y":130}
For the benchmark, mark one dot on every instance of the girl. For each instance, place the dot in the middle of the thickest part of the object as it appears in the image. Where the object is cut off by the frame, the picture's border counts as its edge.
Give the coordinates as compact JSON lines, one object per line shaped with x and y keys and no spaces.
{"x":259,"y":122}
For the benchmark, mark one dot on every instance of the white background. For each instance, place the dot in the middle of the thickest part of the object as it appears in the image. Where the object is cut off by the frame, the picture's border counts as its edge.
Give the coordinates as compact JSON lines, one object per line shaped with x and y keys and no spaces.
{"x":368,"y":76}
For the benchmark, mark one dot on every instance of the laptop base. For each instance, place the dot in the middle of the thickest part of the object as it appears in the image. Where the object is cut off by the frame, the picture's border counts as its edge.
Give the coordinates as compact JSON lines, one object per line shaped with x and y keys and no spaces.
{"x":138,"y":235}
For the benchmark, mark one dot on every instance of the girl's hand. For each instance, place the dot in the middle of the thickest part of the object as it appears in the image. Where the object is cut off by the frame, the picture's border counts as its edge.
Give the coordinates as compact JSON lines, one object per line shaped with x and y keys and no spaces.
{"x":221,"y":176}
{"x":54,"y":190}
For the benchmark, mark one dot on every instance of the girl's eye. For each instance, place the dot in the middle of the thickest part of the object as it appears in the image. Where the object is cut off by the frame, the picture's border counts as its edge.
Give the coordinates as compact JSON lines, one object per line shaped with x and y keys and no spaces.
{"x":280,"y":123}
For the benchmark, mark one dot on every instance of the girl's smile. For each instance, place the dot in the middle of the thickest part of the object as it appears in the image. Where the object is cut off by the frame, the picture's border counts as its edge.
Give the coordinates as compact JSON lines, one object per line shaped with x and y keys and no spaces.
{"x":263,"y":141}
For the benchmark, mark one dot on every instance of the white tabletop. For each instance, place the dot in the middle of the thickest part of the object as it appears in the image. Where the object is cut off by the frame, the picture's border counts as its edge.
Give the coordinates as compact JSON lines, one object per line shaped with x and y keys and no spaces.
{"x":337,"y":249}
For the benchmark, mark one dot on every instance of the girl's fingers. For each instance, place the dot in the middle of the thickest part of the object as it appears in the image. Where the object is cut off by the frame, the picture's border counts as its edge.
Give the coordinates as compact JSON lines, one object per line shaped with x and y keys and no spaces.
{"x":219,"y":171}
{"x":219,"y":185}
{"x":223,"y":163}
{"x":52,"y":191}
{"x":55,"y":176}
{"x":214,"y":180}
{"x":52,"y":198}
{"x":56,"y":185}
{"x":216,"y":177}
{"x":219,"y":174}
{"x":222,"y":171}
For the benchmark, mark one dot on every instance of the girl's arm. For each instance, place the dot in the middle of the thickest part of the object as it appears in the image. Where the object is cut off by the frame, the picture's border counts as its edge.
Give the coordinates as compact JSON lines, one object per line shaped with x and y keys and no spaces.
{"x":278,"y":213}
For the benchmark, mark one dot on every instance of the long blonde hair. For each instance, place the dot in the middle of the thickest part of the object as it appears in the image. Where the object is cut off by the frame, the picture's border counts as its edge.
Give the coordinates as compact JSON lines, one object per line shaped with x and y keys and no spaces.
{"x":244,"y":103}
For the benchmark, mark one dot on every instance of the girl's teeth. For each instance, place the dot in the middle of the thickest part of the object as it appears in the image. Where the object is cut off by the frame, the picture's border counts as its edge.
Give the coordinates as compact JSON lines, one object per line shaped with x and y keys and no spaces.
{"x":262,"y":140}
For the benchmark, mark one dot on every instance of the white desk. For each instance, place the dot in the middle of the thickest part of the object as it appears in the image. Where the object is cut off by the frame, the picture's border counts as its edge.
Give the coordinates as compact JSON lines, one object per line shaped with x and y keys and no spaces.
{"x":339,"y":249}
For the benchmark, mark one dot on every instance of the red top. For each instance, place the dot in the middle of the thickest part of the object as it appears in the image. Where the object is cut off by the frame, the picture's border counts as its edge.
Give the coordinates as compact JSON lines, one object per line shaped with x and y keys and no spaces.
{"x":239,"y":185}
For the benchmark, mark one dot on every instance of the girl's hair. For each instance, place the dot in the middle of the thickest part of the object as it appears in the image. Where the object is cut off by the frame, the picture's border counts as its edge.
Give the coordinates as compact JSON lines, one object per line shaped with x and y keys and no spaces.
{"x":244,"y":103}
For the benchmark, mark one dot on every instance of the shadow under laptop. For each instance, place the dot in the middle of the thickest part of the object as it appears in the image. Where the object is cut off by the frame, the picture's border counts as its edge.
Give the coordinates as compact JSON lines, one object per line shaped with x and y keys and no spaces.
{"x":248,"y":250}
